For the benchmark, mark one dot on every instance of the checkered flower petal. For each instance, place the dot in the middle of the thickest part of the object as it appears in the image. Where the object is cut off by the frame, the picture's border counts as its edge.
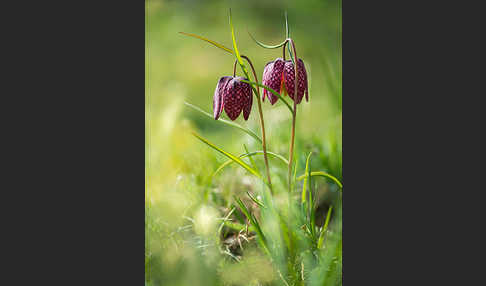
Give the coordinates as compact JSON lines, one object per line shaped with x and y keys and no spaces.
{"x":289,"y":80}
{"x":272,"y":77}
{"x":237,"y":96}
{"x":247,"y":95}
{"x":218,"y":96}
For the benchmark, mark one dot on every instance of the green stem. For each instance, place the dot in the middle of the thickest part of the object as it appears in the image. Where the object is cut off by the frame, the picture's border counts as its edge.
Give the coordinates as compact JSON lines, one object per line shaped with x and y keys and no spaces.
{"x":262,"y":123}
{"x":322,"y":174}
{"x":294,"y":116}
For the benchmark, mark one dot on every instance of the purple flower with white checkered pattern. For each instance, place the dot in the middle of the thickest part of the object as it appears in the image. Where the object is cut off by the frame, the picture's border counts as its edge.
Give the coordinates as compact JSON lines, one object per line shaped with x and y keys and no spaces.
{"x":234,"y":96}
{"x":280,"y":75}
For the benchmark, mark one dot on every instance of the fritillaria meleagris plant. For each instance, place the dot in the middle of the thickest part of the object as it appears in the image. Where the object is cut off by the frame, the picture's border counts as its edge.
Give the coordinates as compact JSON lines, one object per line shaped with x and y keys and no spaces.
{"x":281,"y":75}
{"x":234,"y":94}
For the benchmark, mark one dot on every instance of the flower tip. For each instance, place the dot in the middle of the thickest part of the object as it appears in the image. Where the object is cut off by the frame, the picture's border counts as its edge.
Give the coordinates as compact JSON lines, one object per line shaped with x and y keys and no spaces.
{"x":218,"y":96}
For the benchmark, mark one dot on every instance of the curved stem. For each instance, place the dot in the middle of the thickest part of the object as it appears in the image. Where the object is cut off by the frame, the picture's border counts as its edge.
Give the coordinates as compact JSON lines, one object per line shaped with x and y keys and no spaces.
{"x":264,"y":141}
{"x":294,"y":115}
{"x":275,"y":155}
{"x":288,"y":47}
{"x":283,"y":50}
{"x":322,"y":174}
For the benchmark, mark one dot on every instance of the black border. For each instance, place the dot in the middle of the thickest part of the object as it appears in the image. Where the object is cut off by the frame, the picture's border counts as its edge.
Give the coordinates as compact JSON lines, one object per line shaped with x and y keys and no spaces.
{"x":75,"y":116}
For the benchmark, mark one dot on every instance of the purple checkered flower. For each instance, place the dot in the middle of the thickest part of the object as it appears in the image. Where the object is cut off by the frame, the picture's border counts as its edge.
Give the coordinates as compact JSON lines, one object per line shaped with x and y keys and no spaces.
{"x":234,"y":96}
{"x":280,"y":75}
{"x":273,"y":78}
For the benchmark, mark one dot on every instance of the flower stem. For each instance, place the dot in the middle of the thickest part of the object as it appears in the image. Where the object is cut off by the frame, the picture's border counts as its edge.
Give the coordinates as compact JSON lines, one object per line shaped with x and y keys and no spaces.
{"x":294,"y":115}
{"x":262,"y":123}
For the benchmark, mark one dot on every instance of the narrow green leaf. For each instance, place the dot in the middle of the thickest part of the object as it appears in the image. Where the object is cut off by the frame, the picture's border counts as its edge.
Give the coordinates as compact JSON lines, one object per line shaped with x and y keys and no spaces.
{"x":242,"y":207}
{"x":209,"y":41}
{"x":265,"y":45}
{"x":287,"y":30}
{"x":240,"y":218}
{"x":254,"y":222}
{"x":309,"y":177}
{"x":250,"y":217}
{"x":237,"y":53}
{"x":238,"y":57}
{"x":324,"y":229}
{"x":295,"y":172}
{"x":322,"y":174}
{"x":304,"y":186}
{"x":287,"y":33}
{"x":227,"y":122}
{"x":311,"y":203}
{"x":238,"y":226}
{"x":225,"y":219}
{"x":250,"y":155}
{"x":255,"y":200}
{"x":272,"y":91}
{"x":232,"y":157}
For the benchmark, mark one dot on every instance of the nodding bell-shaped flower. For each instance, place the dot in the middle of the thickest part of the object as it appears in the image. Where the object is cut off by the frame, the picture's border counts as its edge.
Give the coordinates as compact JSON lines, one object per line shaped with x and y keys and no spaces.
{"x":280,"y":75}
{"x":232,"y":95}
{"x":273,"y":78}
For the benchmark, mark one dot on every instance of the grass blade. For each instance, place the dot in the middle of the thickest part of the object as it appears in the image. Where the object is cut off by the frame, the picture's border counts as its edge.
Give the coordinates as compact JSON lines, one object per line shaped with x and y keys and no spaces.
{"x":255,"y":223}
{"x":232,"y":157}
{"x":322,"y":174}
{"x":238,"y":216}
{"x":255,"y":200}
{"x":237,"y":53}
{"x":226,"y":218}
{"x":324,"y":229}
{"x":227,"y":122}
{"x":304,"y":186}
{"x":250,"y":155}
{"x":238,"y":226}
{"x":296,"y":166}
{"x":209,"y":41}
{"x":238,"y":57}
{"x":311,"y":203}
{"x":287,"y":32}
{"x":266,"y":46}
{"x":272,"y":91}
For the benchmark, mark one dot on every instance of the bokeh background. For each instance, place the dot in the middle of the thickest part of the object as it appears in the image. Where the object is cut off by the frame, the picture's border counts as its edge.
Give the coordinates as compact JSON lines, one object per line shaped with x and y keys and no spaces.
{"x":180,"y":188}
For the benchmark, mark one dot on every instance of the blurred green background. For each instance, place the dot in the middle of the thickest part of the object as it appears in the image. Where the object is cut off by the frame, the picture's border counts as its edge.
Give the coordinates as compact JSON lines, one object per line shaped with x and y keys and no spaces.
{"x":179,"y":183}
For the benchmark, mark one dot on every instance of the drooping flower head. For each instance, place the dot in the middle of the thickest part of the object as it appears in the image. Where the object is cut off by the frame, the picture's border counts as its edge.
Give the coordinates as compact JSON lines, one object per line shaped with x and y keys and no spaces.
{"x":234,"y":96}
{"x":280,"y":75}
{"x":273,"y":78}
